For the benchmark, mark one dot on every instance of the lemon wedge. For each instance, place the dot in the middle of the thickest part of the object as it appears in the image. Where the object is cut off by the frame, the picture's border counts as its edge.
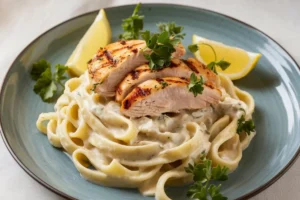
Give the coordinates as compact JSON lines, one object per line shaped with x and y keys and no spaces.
{"x":98,"y":35}
{"x":242,"y":62}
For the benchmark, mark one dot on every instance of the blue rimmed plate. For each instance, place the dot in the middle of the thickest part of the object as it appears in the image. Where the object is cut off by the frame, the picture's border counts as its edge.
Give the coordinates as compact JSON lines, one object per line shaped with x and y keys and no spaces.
{"x":274,"y":83}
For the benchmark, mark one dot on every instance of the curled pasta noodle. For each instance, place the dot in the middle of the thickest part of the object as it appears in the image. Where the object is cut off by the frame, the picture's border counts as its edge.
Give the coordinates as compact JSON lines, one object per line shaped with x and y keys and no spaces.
{"x":225,"y":148}
{"x":147,"y":153}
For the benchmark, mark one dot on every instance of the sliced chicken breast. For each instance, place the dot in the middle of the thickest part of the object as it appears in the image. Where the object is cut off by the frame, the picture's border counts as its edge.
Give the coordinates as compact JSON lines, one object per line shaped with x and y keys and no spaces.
{"x":178,"y":68}
{"x":169,"y":94}
{"x":112,"y":63}
{"x":209,"y":76}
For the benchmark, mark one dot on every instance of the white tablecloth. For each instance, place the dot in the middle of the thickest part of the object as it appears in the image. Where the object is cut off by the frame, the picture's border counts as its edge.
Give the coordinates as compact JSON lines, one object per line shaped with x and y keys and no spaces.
{"x":21,"y":21}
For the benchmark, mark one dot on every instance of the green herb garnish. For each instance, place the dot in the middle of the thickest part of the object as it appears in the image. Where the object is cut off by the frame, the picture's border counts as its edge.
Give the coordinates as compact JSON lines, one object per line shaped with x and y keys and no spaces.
{"x":246,"y":126}
{"x":212,"y":65}
{"x":95,"y":85}
{"x":196,"y":85}
{"x":133,"y":25}
{"x":203,"y":173}
{"x":160,"y":49}
{"x":193,"y":48}
{"x":160,"y":46}
{"x":46,"y":81}
{"x":173,"y":30}
{"x":164,"y":84}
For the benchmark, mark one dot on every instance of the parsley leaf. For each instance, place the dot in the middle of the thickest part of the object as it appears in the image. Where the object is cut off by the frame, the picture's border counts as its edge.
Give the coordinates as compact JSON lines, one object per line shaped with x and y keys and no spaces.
{"x":43,"y":81}
{"x":203,"y":173}
{"x":59,"y":73}
{"x":196,"y":85}
{"x":214,"y":192}
{"x":164,"y":84}
{"x":38,"y":68}
{"x":197,"y":191}
{"x":212,"y":65}
{"x":159,"y":50}
{"x":246,"y":126}
{"x":193,"y":48}
{"x":95,"y":85}
{"x":48,"y":92}
{"x":219,"y":173}
{"x":133,"y":25}
{"x":173,"y":30}
{"x":223,"y":64}
{"x":45,"y":84}
{"x":160,"y":46}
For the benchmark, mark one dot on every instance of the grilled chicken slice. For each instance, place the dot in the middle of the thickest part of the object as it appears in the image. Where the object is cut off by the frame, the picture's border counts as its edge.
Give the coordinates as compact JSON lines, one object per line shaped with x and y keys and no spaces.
{"x":209,"y":76}
{"x":169,"y":94}
{"x":178,"y":68}
{"x":112,"y":63}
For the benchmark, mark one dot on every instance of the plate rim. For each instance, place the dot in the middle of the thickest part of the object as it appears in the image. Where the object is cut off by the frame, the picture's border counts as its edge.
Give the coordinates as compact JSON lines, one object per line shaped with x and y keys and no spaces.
{"x":63,"y":194}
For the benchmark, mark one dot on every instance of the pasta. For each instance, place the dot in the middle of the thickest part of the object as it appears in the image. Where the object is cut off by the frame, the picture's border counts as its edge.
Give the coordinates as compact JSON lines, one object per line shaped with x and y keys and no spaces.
{"x":147,"y":153}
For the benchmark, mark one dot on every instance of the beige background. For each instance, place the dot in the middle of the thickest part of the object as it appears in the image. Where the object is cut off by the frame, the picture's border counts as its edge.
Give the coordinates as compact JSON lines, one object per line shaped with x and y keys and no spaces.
{"x":21,"y":21}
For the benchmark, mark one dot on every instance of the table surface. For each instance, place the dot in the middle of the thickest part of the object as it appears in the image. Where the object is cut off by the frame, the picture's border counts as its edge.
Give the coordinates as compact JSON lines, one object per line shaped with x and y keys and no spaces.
{"x":22,"y":21}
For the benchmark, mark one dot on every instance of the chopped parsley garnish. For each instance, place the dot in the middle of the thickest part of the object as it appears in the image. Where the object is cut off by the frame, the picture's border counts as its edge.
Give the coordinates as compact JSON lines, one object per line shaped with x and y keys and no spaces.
{"x":172,"y":29}
{"x":245,"y":126}
{"x":95,"y":85}
{"x":46,"y":81}
{"x":160,"y":46}
{"x":193,"y":48}
{"x":164,"y":84}
{"x":203,"y":173}
{"x":133,"y":25}
{"x":212,"y":65}
{"x":196,"y":85}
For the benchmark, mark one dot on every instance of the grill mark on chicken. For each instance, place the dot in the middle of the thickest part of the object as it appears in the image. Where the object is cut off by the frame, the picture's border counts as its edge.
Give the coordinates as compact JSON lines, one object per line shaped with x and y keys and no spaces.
{"x":177,"y":69}
{"x":119,"y":90}
{"x":134,"y":51}
{"x":210,"y":84}
{"x":109,"y":57}
{"x":135,"y":74}
{"x":89,"y":62}
{"x":149,"y":98}
{"x":160,"y":80}
{"x":175,"y":63}
{"x":143,"y":92}
{"x":125,"y":47}
{"x":138,"y":92}
{"x":170,"y":80}
{"x":195,"y":62}
{"x":123,"y":42}
{"x":191,"y":66}
{"x":112,"y":63}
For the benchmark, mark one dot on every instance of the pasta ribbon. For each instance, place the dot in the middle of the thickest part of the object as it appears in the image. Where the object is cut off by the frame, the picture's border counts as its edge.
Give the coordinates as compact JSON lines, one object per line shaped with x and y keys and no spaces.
{"x":148,"y":153}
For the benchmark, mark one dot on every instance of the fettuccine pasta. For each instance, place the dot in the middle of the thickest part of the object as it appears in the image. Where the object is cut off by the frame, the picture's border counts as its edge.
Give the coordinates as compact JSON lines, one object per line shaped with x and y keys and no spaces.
{"x":147,"y":153}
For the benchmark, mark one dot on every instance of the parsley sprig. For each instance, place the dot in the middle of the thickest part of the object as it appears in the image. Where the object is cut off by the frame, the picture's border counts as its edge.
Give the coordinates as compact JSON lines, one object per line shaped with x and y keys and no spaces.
{"x":46,"y":81}
{"x":159,"y":49}
{"x":133,"y":25}
{"x":212,"y":65}
{"x":160,"y":46}
{"x":245,"y":126}
{"x":174,"y":30}
{"x":196,"y":85}
{"x":203,"y":173}
{"x":95,"y":86}
{"x":164,"y":84}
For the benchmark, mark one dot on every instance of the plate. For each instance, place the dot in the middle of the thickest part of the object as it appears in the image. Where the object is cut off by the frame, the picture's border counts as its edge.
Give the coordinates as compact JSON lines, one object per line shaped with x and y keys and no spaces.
{"x":274,"y":83}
